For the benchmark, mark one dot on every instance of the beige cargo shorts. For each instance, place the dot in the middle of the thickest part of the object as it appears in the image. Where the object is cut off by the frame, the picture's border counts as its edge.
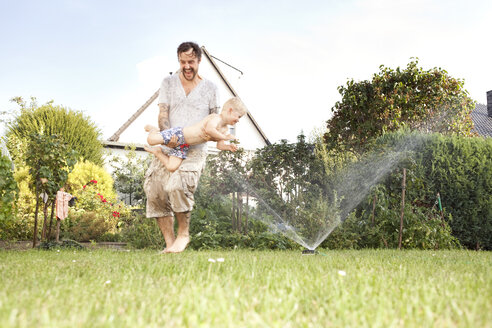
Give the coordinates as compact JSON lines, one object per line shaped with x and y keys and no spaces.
{"x":169,"y":193}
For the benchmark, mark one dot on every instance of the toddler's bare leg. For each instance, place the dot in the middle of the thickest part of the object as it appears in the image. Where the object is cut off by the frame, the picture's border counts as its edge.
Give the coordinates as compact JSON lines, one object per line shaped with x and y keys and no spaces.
{"x":164,"y":158}
{"x":173,"y":163}
{"x":155,"y":137}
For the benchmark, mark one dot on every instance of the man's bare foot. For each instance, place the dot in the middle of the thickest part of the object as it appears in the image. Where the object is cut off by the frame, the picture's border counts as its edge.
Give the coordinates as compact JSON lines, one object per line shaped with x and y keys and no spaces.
{"x":149,"y":128}
{"x":179,"y":245}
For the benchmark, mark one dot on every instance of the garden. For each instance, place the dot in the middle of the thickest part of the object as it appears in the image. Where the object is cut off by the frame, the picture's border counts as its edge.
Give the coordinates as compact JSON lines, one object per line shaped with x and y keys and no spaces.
{"x":393,"y":199}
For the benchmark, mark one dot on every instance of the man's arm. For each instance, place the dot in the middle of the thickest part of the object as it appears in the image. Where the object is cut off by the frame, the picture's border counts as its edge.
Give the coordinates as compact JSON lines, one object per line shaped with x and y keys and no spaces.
{"x":165,"y":124}
{"x":163,"y":118}
{"x":213,"y":127}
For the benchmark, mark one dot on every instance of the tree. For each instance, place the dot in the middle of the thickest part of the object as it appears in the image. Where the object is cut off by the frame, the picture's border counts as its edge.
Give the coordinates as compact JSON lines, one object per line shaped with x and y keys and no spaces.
{"x":49,"y":161}
{"x":8,"y":195}
{"x":72,"y":127}
{"x":230,"y":177}
{"x":293,"y":192}
{"x":394,"y":98}
{"x":129,"y":175}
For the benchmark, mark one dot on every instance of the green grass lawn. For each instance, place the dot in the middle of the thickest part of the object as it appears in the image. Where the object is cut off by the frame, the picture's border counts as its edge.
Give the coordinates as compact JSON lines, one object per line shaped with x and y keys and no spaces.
{"x":370,"y":288}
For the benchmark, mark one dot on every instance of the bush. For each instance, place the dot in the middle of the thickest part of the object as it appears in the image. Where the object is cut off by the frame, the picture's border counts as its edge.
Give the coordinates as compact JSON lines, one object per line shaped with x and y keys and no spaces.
{"x":458,"y":168}
{"x":84,"y":174}
{"x":421,"y":230}
{"x":8,"y":196}
{"x":84,"y":226}
{"x":74,"y":128}
{"x":141,"y":232}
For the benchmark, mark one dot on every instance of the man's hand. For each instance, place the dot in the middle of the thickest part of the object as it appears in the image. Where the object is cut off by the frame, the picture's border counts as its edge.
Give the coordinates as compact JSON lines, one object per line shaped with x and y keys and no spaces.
{"x":173,"y":142}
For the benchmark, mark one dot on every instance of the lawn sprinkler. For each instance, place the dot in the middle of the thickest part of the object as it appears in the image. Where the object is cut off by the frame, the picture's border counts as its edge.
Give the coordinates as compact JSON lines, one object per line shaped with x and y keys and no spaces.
{"x":309,"y":252}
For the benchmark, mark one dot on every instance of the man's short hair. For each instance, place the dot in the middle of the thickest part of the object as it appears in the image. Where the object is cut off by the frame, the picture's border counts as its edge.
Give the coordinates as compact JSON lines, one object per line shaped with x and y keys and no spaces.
{"x":186,"y":46}
{"x":236,"y":104}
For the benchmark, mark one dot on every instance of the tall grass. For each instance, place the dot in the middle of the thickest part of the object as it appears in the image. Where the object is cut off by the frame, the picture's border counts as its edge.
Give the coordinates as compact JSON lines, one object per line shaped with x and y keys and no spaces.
{"x":371,"y":288}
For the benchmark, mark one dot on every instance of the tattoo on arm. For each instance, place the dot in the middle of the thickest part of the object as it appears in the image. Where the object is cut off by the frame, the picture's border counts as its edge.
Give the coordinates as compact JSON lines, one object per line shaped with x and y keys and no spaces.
{"x":163,"y":119}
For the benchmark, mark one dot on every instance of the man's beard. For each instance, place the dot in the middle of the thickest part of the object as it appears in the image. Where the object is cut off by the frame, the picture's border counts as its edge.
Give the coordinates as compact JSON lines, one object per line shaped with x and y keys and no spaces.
{"x":191,"y":70}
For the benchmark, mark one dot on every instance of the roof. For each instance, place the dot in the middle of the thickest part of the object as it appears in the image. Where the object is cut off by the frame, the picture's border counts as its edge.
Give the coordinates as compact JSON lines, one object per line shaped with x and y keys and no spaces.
{"x":115,"y":137}
{"x":121,"y":145}
{"x":228,"y":85}
{"x":482,"y":122}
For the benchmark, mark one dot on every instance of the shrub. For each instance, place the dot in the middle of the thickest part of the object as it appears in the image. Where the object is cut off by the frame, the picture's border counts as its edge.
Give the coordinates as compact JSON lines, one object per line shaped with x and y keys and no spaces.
{"x":8,"y":196}
{"x":141,"y":232}
{"x":84,"y":226}
{"x":74,"y":128}
{"x":84,"y":172}
{"x":458,"y":168}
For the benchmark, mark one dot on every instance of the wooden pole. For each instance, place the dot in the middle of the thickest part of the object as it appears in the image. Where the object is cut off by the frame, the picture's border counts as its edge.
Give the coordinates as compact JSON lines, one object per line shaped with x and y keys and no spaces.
{"x":373,"y":209}
{"x":239,"y":211}
{"x":247,"y":214}
{"x":402,"y":206}
{"x":233,"y":212}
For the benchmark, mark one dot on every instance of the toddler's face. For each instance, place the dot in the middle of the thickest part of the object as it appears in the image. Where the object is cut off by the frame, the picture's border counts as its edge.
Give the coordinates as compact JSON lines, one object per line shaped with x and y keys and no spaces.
{"x":233,"y":117}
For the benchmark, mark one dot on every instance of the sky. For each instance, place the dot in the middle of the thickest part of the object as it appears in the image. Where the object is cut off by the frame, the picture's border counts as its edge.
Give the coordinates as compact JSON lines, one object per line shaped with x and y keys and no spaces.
{"x":106,"y":58}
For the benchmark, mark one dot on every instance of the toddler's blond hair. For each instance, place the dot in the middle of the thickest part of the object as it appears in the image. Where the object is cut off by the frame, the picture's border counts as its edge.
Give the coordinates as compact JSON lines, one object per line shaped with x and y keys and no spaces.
{"x":236,"y":104}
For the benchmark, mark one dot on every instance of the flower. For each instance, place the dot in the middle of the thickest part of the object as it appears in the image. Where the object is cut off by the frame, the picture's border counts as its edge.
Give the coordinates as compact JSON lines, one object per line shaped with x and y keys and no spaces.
{"x":116,"y":214}
{"x":342,"y":273}
{"x":211,"y":260}
{"x":84,"y":186}
{"x":220,"y":259}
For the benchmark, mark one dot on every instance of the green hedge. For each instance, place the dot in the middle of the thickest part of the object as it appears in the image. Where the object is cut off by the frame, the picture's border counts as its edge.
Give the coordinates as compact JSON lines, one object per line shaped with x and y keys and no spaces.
{"x":460,"y":170}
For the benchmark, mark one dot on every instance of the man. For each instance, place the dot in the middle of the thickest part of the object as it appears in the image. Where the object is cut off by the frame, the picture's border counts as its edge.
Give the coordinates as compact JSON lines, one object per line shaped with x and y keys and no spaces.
{"x":185,"y":98}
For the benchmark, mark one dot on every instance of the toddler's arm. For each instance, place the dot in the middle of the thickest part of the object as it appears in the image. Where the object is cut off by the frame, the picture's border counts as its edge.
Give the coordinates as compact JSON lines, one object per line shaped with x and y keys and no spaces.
{"x":221,"y":145}
{"x":211,"y":128}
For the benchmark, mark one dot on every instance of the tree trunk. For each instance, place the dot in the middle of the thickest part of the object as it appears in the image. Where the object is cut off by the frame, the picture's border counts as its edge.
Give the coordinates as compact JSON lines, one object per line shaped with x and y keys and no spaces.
{"x":51,"y":218}
{"x":58,"y":221}
{"x":35,"y":234}
{"x":45,"y":221}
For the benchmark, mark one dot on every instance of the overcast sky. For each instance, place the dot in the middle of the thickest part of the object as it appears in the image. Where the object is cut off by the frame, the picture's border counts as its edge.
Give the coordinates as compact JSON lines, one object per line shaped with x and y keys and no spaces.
{"x":106,"y":58}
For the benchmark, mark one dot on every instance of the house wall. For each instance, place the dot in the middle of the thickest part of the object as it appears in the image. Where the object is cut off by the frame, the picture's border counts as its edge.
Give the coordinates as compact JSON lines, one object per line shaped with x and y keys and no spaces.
{"x":121,"y":153}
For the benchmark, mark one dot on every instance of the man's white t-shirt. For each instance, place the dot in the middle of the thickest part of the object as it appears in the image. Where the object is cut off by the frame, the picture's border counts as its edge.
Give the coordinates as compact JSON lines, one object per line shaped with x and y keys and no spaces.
{"x":185,"y":110}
